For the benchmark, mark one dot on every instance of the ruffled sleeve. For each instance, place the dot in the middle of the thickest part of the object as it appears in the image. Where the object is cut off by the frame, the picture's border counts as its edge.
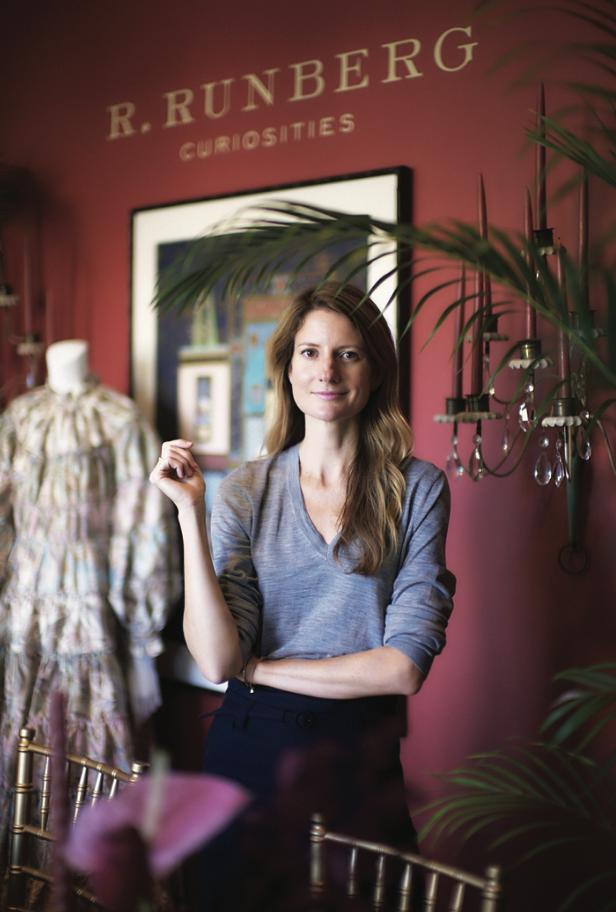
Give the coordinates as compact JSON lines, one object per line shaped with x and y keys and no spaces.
{"x":144,"y":576}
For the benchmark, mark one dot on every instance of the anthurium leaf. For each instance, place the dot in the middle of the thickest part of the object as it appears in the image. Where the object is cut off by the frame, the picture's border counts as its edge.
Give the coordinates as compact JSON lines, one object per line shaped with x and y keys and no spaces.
{"x":194,"y":808}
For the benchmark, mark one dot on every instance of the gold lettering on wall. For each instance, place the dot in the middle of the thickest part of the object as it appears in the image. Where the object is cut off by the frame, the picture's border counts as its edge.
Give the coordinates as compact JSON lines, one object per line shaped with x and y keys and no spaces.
{"x":208,"y":89}
{"x":355,"y":69}
{"x":467,"y":48}
{"x":298,"y":132}
{"x":177,"y":107}
{"x":407,"y":59}
{"x":393,"y":62}
{"x":120,"y":120}
{"x":255,"y":84}
{"x":301,"y":77}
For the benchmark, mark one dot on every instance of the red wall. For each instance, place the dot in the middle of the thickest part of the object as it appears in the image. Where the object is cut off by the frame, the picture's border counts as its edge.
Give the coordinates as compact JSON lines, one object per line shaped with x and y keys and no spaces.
{"x":518,"y":617}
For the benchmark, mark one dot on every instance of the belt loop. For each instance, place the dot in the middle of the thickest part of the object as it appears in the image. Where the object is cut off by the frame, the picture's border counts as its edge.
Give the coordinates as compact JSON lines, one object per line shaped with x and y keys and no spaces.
{"x":240,"y":719}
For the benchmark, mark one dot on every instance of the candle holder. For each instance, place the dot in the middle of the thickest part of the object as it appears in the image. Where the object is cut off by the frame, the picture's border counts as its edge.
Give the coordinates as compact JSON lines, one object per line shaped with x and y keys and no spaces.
{"x":7,"y":298}
{"x":544,"y":241}
{"x":578,"y":358}
{"x":530,"y":349}
{"x":478,"y":404}
{"x":454,"y":405}
{"x":31,"y":348}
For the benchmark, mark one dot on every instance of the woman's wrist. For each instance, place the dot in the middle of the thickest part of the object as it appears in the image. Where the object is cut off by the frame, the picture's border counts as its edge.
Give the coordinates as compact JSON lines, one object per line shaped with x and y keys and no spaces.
{"x":248,"y":672}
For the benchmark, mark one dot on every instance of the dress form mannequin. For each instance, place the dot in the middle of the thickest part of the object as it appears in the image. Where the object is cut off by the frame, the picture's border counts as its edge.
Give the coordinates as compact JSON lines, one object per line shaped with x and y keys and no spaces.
{"x":67,"y":365}
{"x":88,"y":566}
{"x":68,"y":368}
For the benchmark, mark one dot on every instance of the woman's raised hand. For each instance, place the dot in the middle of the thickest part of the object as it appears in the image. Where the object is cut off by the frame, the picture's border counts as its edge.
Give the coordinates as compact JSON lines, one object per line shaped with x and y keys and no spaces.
{"x":178,"y":476}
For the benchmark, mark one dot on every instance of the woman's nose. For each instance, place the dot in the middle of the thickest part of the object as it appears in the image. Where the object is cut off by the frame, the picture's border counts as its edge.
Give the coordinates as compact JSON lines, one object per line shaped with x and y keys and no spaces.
{"x":329,"y":373}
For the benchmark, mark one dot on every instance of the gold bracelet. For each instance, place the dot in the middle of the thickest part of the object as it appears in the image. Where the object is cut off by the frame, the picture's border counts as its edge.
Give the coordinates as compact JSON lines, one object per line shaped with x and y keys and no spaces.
{"x":249,"y":685}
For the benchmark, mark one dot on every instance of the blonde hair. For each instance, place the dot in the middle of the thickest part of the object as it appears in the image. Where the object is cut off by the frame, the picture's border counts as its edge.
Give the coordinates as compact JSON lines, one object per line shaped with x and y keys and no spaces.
{"x":376,"y":485}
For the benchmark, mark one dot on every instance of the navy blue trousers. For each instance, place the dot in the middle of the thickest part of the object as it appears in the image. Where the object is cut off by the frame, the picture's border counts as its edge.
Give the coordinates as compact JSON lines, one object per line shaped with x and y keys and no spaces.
{"x":299,"y":755}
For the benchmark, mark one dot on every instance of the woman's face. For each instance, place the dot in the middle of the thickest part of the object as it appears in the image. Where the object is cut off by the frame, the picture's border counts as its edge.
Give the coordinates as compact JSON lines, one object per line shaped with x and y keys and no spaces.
{"x":330,"y":372}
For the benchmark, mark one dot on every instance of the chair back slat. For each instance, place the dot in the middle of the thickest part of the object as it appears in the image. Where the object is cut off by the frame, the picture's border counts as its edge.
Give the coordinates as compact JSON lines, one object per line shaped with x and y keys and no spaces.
{"x":404,"y":889}
{"x":352,"y":880}
{"x":46,"y":793}
{"x":97,"y":791}
{"x":431,"y":891}
{"x":378,"y":897}
{"x":82,"y":789}
{"x":457,"y":897}
{"x":455,"y":882}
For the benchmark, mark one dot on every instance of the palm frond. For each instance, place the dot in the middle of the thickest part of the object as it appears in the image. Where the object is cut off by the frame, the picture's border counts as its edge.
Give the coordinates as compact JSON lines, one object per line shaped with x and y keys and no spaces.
{"x":588,"y":708}
{"x":243,"y":256}
{"x":566,"y":143}
{"x":543,"y":788}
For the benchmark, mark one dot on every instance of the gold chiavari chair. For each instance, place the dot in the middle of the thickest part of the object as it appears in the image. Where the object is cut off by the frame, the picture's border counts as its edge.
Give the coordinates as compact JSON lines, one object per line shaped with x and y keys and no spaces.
{"x":26,"y":833}
{"x":446,"y":887}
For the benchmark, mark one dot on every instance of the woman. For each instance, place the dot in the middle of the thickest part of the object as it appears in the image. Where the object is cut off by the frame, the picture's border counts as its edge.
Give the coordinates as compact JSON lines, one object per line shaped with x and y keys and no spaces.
{"x":327,"y":594}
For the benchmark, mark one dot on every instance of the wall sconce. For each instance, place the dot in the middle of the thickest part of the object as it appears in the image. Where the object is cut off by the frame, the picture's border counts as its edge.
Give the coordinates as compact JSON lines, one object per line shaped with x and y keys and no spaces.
{"x":563,"y":410}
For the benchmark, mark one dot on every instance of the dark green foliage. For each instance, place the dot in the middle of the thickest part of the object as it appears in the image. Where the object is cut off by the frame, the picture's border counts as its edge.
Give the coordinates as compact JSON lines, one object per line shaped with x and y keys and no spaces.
{"x":549,"y":796}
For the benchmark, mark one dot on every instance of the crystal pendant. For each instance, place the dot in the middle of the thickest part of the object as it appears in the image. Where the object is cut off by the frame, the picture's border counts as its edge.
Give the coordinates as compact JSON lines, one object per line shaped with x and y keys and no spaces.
{"x":506,"y":441}
{"x":585,"y":449}
{"x":455,"y":469}
{"x":543,"y":466}
{"x":559,"y":466}
{"x":476,"y":466}
{"x":527,"y":409}
{"x":486,"y":372}
{"x":581,"y":387}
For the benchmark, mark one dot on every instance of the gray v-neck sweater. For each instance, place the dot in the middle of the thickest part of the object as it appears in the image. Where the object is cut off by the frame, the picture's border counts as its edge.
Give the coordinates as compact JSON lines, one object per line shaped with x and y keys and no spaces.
{"x":290,"y":598}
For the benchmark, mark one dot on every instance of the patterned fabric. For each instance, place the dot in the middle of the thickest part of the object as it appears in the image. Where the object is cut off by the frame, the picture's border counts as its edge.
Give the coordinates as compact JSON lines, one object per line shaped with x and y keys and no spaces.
{"x":88,"y":567}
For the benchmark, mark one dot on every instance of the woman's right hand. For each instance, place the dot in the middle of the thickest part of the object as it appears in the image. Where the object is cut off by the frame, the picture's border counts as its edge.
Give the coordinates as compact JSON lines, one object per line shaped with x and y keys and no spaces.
{"x":178,"y":476}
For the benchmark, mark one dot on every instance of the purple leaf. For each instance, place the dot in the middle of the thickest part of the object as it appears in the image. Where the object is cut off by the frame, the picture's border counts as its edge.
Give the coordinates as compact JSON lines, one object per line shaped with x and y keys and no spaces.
{"x":194,"y":808}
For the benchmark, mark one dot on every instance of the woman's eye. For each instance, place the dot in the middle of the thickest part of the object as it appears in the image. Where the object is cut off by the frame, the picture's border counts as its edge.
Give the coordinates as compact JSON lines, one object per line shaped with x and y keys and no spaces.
{"x":308,"y":352}
{"x":349,"y":355}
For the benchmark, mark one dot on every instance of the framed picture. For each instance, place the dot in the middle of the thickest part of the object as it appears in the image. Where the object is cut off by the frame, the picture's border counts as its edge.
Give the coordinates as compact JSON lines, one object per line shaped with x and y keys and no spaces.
{"x":203,"y":412}
{"x":206,"y":370}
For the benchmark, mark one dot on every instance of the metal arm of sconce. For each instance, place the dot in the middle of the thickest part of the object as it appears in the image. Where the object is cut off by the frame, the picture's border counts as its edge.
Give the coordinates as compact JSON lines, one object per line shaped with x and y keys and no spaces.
{"x":28,"y":346}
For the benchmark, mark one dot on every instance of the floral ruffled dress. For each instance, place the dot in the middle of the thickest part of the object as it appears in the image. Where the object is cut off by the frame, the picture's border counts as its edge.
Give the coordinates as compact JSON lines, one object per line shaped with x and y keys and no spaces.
{"x":88,"y":567}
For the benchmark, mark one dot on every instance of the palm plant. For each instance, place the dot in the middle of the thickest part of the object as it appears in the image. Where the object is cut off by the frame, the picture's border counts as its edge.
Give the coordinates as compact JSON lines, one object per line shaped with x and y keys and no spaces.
{"x":551,"y":795}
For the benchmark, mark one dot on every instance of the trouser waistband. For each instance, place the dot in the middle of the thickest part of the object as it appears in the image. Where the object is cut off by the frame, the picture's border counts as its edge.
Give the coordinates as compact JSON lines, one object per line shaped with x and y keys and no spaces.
{"x":304,"y":711}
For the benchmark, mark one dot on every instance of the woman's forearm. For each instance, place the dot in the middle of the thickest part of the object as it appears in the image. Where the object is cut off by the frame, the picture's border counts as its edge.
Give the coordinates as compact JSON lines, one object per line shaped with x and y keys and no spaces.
{"x":210,"y":631}
{"x":384,"y":670}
